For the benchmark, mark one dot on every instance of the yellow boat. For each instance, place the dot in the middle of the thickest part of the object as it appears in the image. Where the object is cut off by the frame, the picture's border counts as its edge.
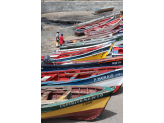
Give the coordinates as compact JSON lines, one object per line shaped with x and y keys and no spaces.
{"x":99,"y":53}
{"x":96,"y":56}
{"x":74,"y":102}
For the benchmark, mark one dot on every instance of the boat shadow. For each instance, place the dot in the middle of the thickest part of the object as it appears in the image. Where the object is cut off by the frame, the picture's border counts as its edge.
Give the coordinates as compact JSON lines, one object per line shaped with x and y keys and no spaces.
{"x":105,"y":114}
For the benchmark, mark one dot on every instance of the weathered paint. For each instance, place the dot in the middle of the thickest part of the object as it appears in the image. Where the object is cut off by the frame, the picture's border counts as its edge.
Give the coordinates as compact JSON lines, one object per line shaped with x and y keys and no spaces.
{"x":98,"y":103}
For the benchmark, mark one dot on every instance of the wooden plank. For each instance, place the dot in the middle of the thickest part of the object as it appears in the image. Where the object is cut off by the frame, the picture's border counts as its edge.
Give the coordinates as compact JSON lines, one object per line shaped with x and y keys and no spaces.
{"x":64,"y":95}
{"x":45,"y":94}
{"x":43,"y":102}
{"x":81,"y":72}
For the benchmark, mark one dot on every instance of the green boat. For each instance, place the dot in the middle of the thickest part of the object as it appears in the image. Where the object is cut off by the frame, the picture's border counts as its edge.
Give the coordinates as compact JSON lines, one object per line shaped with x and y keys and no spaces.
{"x":91,"y":42}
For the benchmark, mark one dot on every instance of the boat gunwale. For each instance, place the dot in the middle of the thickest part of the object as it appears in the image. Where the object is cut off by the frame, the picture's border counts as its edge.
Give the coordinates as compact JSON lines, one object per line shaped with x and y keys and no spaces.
{"x":78,"y":80}
{"x":106,"y":89}
{"x":93,"y":51}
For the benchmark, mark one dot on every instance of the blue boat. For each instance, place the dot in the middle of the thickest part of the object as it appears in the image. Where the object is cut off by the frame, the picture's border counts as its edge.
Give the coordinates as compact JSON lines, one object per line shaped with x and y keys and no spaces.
{"x":103,"y":9}
{"x":83,"y":64}
{"x":85,"y":76}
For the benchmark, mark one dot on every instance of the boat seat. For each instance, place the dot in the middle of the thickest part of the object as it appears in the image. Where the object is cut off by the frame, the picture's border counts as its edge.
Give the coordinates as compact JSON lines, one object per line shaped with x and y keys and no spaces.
{"x":64,"y":95}
{"x":48,"y":78}
{"x":45,"y":78}
{"x":45,"y":95}
{"x":94,"y":74}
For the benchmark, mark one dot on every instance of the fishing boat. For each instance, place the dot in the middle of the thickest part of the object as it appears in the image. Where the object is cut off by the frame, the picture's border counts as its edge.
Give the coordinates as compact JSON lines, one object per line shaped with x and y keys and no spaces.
{"x":82,"y":64}
{"x":103,"y":28}
{"x":103,"y":9}
{"x":99,"y":53}
{"x":74,"y":102}
{"x":92,"y":42}
{"x":104,"y":35}
{"x":117,"y":51}
{"x":106,"y":31}
{"x":71,"y":53}
{"x":98,"y":75}
{"x":80,"y":29}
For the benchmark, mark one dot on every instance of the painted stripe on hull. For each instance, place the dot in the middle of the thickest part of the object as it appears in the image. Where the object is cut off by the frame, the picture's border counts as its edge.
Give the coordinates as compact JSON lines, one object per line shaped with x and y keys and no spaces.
{"x":94,"y":57}
{"x":85,"y":55}
{"x":89,"y":80}
{"x":117,"y":88}
{"x":109,"y":82}
{"x":80,"y":65}
{"x":79,"y":108}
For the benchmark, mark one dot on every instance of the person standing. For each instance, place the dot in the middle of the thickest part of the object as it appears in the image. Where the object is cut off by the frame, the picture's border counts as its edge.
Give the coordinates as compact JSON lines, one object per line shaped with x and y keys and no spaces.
{"x":61,"y":39}
{"x":57,"y":37}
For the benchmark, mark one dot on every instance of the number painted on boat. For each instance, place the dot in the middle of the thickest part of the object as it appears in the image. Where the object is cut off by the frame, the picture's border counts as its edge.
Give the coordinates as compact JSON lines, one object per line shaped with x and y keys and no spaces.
{"x":86,"y":103}
{"x":117,"y":62}
{"x":85,"y":100}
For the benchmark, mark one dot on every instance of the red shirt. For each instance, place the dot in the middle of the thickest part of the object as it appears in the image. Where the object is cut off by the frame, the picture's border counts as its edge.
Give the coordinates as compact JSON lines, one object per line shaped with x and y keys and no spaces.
{"x":61,"y":39}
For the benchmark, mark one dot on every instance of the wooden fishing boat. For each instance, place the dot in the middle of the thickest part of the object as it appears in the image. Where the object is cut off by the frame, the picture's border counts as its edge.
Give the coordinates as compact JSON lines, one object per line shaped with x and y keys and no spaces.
{"x":103,"y":35}
{"x":80,"y":29}
{"x":71,"y":53}
{"x":82,"y":64}
{"x":74,"y":102}
{"x":103,"y":9}
{"x":106,"y":31}
{"x":78,"y":48}
{"x":92,"y":42}
{"x":103,"y":28}
{"x":98,"y":76}
{"x":117,"y":43}
{"x":117,"y":51}
{"x":99,"y":53}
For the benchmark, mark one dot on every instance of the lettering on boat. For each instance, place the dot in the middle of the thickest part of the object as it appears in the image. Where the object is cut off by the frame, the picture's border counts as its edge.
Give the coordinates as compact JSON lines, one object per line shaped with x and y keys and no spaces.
{"x":117,"y":62}
{"x":107,"y":76}
{"x":85,"y":101}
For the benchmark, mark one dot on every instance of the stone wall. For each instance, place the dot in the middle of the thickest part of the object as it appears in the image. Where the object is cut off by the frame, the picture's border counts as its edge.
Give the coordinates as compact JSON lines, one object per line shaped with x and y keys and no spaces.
{"x":65,"y":6}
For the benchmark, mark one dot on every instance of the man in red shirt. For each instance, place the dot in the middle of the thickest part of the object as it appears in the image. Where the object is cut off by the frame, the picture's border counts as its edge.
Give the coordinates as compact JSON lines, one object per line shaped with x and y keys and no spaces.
{"x":61,"y":39}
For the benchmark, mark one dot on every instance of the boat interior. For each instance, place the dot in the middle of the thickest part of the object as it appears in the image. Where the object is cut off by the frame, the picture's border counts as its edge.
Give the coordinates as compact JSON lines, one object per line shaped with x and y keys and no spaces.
{"x":71,"y":74}
{"x":68,"y":54}
{"x":56,"y":94}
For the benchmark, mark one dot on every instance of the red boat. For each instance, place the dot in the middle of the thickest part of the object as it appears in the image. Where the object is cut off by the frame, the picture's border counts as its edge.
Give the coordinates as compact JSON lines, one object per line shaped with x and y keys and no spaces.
{"x":117,"y":51}
{"x":100,"y":35}
{"x":99,"y":76}
{"x":72,"y":53}
{"x":105,"y":27}
{"x":80,"y":29}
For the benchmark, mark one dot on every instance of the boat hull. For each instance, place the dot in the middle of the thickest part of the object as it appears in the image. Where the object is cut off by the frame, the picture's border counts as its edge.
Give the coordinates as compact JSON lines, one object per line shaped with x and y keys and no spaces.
{"x":110,"y":82}
{"x":103,"y":10}
{"x":82,"y":65}
{"x":87,"y":107}
{"x":92,"y":42}
{"x":92,"y":55}
{"x":95,"y":79}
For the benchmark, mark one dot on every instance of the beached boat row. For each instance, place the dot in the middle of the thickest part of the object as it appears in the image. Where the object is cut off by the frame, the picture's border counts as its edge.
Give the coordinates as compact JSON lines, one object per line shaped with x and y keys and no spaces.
{"x":78,"y":80}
